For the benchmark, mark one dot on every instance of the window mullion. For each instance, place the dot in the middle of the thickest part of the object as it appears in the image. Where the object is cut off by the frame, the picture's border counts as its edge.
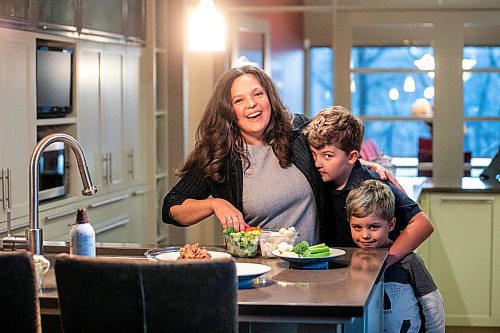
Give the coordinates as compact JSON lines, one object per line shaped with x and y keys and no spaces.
{"x":448,"y":122}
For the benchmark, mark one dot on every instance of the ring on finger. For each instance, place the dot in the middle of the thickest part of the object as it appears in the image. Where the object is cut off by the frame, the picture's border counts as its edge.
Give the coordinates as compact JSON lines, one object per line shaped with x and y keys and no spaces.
{"x":228,"y":218}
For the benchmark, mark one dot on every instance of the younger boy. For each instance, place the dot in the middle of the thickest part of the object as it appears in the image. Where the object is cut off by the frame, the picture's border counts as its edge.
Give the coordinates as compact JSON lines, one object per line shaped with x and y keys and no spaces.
{"x":335,"y":137}
{"x":412,"y":302}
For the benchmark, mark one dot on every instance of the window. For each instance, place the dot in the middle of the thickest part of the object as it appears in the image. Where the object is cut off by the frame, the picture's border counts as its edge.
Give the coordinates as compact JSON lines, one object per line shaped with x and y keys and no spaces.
{"x":481,"y":77}
{"x":321,"y":82}
{"x":392,"y":90}
{"x":389,"y":87}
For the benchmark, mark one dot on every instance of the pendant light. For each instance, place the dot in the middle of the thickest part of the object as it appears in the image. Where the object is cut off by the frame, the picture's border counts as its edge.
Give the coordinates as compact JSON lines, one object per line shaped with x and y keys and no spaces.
{"x":409,"y":85}
{"x":206,"y":28}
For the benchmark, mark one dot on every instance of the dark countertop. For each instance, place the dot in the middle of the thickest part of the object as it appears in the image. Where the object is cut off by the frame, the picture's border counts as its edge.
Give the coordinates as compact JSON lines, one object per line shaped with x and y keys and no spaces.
{"x":469,"y":185}
{"x":341,"y":292}
{"x":414,"y":186}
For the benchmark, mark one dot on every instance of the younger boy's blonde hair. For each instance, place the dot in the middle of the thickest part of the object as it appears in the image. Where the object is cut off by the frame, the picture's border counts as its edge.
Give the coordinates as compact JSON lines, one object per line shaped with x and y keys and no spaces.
{"x":335,"y":126}
{"x":372,"y":197}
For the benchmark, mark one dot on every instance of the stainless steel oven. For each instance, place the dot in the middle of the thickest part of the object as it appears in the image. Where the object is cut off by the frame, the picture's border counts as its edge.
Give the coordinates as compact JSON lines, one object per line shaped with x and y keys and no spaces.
{"x":52,"y":167}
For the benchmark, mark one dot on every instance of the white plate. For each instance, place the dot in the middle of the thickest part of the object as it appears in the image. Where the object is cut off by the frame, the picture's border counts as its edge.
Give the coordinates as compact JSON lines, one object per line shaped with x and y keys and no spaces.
{"x":334,"y":253}
{"x":248,"y":271}
{"x":172,"y":253}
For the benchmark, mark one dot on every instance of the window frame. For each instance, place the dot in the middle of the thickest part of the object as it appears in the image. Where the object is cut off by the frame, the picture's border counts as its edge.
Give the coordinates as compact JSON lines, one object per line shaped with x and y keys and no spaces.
{"x":447,"y":39}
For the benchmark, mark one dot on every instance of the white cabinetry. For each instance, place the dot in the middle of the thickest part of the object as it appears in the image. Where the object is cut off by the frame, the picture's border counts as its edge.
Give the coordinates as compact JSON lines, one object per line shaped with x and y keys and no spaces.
{"x":110,"y":126}
{"x":111,"y":131}
{"x":100,"y":98}
{"x":463,"y":255}
{"x":110,"y":217}
{"x":116,"y":217}
{"x":17,"y":125}
{"x":107,"y":121}
{"x":139,"y":231}
{"x":133,"y":122}
{"x":56,"y":223}
{"x":112,"y":113}
{"x":89,"y":59}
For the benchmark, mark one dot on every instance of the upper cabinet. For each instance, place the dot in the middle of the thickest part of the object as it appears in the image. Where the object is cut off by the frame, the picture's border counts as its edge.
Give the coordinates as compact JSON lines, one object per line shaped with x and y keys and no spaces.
{"x":109,"y":122}
{"x":109,"y":113}
{"x":89,"y":105}
{"x":117,"y":19}
{"x":133,"y":124}
{"x":112,"y":114}
{"x":17,"y":124}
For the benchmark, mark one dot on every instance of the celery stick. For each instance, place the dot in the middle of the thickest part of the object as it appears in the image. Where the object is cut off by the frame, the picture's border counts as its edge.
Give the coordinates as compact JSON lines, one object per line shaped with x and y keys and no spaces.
{"x":319,"y":254}
{"x":319,"y":249}
{"x":322,"y":245}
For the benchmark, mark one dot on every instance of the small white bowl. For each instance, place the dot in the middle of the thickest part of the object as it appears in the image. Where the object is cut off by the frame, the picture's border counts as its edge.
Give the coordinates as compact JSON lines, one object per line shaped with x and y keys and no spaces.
{"x":269,"y":242}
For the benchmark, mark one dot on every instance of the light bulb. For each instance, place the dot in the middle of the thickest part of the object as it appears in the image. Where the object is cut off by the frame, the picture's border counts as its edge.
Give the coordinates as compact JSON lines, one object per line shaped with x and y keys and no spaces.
{"x":206,"y":28}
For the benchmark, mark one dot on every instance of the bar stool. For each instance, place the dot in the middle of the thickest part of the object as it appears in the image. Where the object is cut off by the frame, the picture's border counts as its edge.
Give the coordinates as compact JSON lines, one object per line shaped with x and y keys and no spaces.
{"x":135,"y":295}
{"x":19,"y":309}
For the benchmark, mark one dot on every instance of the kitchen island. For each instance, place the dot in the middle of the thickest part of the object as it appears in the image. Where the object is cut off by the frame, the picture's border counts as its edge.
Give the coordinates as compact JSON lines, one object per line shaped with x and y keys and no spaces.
{"x":463,"y":253}
{"x":346,"y":297}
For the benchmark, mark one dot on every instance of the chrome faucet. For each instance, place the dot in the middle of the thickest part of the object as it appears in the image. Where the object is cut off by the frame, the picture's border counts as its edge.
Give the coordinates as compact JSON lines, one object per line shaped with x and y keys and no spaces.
{"x":34,"y":234}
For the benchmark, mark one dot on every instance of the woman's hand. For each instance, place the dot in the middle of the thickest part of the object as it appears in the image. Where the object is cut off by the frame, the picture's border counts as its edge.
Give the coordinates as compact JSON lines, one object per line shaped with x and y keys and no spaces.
{"x":228,"y":215}
{"x":192,"y":211}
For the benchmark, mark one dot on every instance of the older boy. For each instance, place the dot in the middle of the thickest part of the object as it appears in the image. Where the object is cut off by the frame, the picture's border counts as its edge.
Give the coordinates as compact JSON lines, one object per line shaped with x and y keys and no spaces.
{"x":412,"y":302}
{"x":335,"y":137}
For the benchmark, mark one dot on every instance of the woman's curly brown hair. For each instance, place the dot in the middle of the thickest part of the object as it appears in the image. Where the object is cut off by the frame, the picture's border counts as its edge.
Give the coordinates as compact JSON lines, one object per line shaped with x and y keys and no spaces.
{"x":218,"y":136}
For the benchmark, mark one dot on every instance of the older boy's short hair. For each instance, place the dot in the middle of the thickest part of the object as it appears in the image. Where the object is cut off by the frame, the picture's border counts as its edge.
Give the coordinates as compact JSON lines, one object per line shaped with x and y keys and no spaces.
{"x":372,"y":197}
{"x":335,"y":126}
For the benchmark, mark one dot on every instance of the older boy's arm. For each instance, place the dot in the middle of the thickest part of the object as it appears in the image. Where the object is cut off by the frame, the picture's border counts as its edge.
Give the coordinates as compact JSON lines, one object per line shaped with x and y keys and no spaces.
{"x":433,"y":309}
{"x":419,"y":228}
{"x":382,"y":172}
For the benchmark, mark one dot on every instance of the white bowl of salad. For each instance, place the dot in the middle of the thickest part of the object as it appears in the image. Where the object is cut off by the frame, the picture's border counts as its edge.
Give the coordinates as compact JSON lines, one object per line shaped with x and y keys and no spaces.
{"x":243,"y":244}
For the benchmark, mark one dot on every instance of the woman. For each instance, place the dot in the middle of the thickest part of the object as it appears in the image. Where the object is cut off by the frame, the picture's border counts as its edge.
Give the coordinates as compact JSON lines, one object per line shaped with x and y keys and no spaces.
{"x":249,"y":166}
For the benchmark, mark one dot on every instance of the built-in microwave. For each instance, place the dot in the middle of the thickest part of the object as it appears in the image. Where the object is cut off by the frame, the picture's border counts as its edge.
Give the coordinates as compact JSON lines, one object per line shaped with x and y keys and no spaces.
{"x":52,"y":170}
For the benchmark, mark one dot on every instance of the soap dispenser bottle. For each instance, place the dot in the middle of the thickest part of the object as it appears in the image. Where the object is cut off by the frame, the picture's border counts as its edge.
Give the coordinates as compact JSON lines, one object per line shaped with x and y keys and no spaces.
{"x":82,"y":235}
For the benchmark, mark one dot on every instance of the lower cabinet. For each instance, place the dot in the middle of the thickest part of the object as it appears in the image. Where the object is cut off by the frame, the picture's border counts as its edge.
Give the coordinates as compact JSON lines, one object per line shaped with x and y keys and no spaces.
{"x":56,"y":223}
{"x":109,"y":217}
{"x":113,"y":231}
{"x":116,"y":218}
{"x":18,"y":227}
{"x":463,"y":255}
{"x":140,"y":231}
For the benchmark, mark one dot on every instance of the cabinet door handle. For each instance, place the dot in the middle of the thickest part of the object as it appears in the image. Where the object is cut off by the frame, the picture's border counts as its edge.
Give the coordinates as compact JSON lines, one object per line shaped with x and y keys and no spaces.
{"x":110,"y":174}
{"x":470,"y":199}
{"x":140,"y":191}
{"x":108,"y":201}
{"x":110,"y":170}
{"x":105,"y":161}
{"x":131,"y":164}
{"x":58,"y":216}
{"x":9,"y":190}
{"x":112,"y":226}
{"x":7,"y":197}
{"x":4,"y":190}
